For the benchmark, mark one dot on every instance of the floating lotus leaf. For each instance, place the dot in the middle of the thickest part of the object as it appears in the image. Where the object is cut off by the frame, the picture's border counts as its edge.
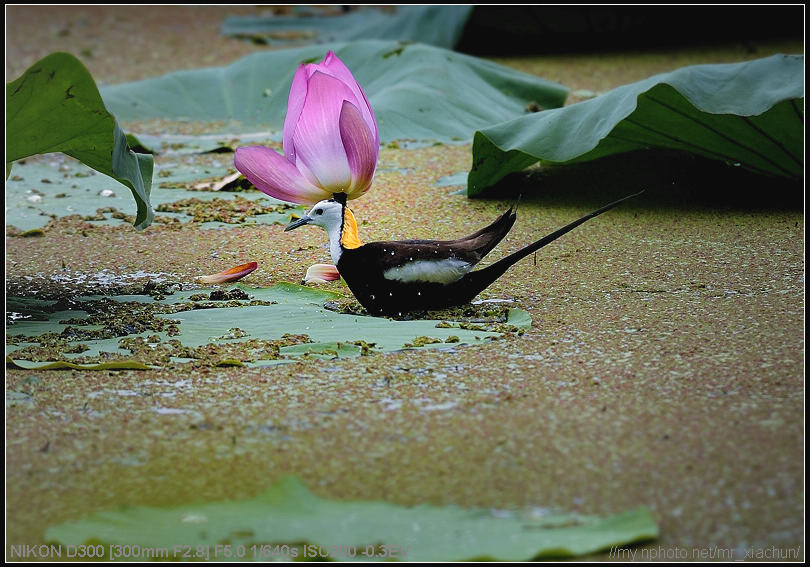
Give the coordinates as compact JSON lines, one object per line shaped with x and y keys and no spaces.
{"x":417,"y":91}
{"x":39,"y":189}
{"x":63,"y":365}
{"x":275,"y":524}
{"x":436,"y":25}
{"x":268,"y":314}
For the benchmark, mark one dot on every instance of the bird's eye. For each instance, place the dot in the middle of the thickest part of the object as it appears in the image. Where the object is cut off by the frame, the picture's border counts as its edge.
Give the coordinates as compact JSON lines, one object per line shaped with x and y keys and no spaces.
{"x":318,"y":211}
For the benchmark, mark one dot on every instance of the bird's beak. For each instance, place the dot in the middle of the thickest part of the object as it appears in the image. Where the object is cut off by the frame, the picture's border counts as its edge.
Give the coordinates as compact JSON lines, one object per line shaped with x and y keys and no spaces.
{"x":296,"y":223}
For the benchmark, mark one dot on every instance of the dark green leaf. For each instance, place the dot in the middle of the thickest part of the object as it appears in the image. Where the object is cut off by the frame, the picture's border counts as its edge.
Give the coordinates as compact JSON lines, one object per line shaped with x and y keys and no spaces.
{"x":55,"y":106}
{"x":748,"y":114}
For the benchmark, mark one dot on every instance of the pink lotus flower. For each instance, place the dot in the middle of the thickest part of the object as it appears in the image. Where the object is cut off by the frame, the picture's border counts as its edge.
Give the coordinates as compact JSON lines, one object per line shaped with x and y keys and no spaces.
{"x":331,"y":140}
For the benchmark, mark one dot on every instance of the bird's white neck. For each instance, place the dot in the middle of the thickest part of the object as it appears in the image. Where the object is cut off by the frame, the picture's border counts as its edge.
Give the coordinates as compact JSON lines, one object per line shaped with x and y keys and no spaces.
{"x":335,"y":249}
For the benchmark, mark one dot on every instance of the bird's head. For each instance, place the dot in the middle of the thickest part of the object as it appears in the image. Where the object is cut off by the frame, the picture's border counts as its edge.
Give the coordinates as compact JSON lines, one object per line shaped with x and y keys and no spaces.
{"x":335,"y":217}
{"x":326,"y":214}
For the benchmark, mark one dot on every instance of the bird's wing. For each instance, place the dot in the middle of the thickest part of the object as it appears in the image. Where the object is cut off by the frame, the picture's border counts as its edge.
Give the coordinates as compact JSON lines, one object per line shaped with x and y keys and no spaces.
{"x":490,"y":235}
{"x":420,"y":260}
{"x":470,"y":248}
{"x":481,"y":242}
{"x":438,"y":261}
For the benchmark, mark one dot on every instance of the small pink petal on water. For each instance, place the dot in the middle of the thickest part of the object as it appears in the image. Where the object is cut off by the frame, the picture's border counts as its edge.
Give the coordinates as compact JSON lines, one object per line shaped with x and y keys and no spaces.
{"x":232,"y":275}
{"x":321,"y":273}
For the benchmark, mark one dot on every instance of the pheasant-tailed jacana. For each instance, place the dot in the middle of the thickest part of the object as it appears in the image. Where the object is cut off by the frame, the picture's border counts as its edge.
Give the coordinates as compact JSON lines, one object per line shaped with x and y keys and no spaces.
{"x":395,"y":277}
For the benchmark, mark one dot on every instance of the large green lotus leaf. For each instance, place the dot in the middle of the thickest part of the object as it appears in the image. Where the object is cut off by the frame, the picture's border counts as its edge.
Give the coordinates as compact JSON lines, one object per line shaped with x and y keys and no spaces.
{"x":292,"y":309}
{"x":55,"y":106}
{"x":417,"y":91}
{"x":435,"y":25}
{"x":289,"y":515}
{"x":39,"y":190}
{"x":748,"y":114}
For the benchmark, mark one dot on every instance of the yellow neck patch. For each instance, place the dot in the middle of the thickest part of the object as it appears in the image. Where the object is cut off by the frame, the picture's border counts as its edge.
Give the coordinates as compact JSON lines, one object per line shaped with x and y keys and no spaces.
{"x":349,"y":237}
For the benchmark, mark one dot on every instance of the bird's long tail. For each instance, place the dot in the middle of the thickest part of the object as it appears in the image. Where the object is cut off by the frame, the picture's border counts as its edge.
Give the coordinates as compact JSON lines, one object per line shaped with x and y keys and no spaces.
{"x":492,"y":272}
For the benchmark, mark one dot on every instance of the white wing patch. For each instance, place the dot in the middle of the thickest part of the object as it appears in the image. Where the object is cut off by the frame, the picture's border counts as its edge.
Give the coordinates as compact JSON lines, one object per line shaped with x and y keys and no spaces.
{"x":436,"y":271}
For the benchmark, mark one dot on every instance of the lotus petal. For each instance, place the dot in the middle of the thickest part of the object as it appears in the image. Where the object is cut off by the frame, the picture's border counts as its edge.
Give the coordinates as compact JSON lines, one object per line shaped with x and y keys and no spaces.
{"x":332,"y":65}
{"x":271,"y":173}
{"x":295,"y":104}
{"x":321,"y":273}
{"x":361,"y":149}
{"x":232,"y":275}
{"x":317,"y":140}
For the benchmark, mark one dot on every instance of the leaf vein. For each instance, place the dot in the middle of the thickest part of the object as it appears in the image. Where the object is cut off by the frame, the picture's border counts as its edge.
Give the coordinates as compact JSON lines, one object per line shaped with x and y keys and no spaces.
{"x":721,"y":135}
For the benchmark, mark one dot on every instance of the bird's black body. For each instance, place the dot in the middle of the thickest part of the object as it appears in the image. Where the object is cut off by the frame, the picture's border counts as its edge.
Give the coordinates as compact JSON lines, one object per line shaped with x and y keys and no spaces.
{"x":390,"y":278}
{"x":363,"y":270}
